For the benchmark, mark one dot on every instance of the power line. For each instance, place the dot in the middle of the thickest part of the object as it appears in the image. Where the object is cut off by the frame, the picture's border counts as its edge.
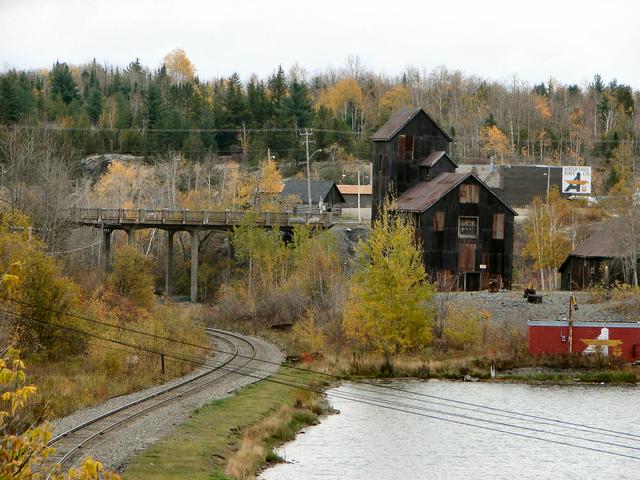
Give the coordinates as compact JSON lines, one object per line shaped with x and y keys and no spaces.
{"x":387,"y":405}
{"x":493,"y":410}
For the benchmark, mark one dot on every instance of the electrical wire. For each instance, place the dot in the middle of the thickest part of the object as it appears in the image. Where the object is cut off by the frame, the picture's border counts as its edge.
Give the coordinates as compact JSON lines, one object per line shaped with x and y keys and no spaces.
{"x":496,"y":411}
{"x":352,"y":397}
{"x":402,"y":408}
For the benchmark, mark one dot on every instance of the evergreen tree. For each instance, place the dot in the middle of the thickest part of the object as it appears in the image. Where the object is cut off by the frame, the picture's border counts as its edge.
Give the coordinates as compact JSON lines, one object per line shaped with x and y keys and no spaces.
{"x":94,"y":105}
{"x":124,"y":117}
{"x":62,"y":83}
{"x":277,"y":88}
{"x":258,"y":103}
{"x":296,"y":108}
{"x":152,"y":106}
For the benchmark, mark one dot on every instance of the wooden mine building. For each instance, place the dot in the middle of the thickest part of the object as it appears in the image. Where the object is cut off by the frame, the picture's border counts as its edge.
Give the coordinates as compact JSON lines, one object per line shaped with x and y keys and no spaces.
{"x":465,"y":229}
{"x":599,"y":260}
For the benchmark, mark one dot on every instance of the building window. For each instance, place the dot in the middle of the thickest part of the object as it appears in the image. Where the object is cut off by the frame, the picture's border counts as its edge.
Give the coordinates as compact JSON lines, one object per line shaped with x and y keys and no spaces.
{"x":405,"y":147}
{"x":469,"y":193}
{"x":438,"y":222}
{"x":468,"y":227}
{"x":379,"y":166}
{"x":498,"y":226}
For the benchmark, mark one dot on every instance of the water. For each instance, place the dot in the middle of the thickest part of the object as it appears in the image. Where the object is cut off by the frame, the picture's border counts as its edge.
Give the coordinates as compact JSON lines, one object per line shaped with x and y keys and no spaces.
{"x":369,"y":442}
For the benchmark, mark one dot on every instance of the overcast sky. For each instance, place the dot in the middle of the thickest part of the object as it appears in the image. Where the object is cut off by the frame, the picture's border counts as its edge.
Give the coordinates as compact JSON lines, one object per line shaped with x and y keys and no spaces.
{"x":567,"y":40}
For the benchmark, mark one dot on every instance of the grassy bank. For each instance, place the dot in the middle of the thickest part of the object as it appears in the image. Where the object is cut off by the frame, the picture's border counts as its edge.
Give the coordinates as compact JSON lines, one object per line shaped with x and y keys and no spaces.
{"x":233,"y":437}
{"x":551,"y":369}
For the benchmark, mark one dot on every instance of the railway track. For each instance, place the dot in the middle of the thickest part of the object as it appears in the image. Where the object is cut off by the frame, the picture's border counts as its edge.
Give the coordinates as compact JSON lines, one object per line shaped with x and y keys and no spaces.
{"x":76,"y":441}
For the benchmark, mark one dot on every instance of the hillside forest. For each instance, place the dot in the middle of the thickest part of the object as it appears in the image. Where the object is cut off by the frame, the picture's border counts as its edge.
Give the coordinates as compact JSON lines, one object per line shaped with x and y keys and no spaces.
{"x":96,"y":108}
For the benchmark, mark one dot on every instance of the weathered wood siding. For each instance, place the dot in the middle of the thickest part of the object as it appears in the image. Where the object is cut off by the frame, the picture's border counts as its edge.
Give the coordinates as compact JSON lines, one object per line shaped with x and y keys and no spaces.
{"x":442,"y":249}
{"x":591,"y":272}
{"x":400,"y":175}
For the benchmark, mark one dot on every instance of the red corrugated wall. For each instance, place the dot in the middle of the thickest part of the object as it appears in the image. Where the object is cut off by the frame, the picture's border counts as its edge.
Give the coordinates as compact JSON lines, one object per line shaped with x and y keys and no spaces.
{"x":621,"y":340}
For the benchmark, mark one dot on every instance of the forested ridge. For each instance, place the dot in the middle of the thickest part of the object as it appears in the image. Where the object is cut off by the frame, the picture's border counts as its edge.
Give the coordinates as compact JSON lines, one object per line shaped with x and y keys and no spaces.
{"x":135,"y":109}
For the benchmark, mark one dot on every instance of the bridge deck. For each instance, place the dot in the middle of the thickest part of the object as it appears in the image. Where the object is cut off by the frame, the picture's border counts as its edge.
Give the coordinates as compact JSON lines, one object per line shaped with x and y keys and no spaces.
{"x":191,"y":219}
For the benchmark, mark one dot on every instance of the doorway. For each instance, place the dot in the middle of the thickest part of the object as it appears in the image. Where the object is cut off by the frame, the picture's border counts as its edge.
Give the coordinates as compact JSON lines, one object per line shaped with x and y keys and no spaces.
{"x":471,"y":281}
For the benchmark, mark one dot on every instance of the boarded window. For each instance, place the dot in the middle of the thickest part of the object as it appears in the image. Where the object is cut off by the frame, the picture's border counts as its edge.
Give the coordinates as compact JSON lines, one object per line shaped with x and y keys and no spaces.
{"x":405,"y":147}
{"x":438,"y":222}
{"x":469,"y":193}
{"x":467,"y":257}
{"x":468,"y":227}
{"x":498,"y":226}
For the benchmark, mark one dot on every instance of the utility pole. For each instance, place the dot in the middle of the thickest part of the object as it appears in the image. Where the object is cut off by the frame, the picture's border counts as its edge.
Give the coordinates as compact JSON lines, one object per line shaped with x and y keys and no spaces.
{"x":306,"y":136}
{"x":548,"y":180}
{"x":359,"y":214}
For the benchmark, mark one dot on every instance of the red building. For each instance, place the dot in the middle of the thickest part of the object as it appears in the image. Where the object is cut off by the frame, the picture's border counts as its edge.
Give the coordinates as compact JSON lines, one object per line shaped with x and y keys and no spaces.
{"x":609,"y":339}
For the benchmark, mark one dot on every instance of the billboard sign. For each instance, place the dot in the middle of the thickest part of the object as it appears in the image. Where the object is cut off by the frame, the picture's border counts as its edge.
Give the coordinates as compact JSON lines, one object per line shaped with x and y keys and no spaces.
{"x":576,"y":180}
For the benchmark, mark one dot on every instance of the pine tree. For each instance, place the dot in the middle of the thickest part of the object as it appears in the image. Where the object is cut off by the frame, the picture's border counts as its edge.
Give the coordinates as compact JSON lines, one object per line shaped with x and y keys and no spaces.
{"x":296,"y":108}
{"x":277,"y":88}
{"x":62,"y":83}
{"x":94,"y":105}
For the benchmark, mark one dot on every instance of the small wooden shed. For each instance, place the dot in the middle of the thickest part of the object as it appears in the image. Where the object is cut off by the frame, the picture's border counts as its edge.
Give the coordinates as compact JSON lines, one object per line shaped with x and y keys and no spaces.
{"x":596,"y":261}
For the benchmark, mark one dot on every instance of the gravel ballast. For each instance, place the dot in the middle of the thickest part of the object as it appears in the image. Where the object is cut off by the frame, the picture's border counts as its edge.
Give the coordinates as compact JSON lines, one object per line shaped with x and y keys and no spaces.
{"x":121,"y":444}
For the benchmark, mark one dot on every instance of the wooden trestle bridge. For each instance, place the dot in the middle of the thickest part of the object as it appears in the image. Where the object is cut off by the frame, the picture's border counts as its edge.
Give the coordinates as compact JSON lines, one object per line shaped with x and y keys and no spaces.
{"x":192,"y":221}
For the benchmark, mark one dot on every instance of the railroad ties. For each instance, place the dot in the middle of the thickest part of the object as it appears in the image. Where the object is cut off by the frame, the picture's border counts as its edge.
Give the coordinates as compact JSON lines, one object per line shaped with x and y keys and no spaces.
{"x":235,"y":354}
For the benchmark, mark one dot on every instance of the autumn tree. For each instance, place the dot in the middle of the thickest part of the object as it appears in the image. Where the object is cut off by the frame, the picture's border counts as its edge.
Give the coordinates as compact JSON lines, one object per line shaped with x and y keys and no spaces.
{"x":179,"y":67}
{"x":132,"y":276}
{"x":547,"y":242}
{"x":42,"y":294}
{"x":494,"y":142}
{"x":388,"y":307}
{"x":396,"y":98}
{"x":24,"y":452}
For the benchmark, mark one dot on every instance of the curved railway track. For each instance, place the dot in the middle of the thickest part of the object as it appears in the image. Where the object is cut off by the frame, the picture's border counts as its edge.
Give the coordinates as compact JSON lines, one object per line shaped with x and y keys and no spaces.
{"x":76,"y":440}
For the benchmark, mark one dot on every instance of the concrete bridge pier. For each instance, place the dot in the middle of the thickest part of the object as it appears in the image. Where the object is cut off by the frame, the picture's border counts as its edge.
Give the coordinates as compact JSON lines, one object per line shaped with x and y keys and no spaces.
{"x":195,"y":244}
{"x":168,"y":276}
{"x":131,"y":236}
{"x":106,"y":248}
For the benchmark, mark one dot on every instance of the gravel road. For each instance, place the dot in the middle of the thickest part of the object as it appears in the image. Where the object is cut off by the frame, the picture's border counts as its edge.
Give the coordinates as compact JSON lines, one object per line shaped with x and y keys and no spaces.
{"x":117,"y":447}
{"x":510,"y":306}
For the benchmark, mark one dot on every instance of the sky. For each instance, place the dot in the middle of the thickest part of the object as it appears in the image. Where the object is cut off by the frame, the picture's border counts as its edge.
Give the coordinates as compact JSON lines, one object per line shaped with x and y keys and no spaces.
{"x":568,"y":40}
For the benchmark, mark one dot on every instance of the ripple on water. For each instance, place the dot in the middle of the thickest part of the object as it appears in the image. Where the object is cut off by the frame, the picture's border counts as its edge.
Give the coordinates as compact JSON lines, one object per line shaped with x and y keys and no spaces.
{"x":368,"y":442}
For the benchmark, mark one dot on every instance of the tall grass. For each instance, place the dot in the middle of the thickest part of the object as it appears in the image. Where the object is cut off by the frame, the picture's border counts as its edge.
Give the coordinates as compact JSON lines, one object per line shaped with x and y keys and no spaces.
{"x":258,"y":441}
{"x":108,"y":369}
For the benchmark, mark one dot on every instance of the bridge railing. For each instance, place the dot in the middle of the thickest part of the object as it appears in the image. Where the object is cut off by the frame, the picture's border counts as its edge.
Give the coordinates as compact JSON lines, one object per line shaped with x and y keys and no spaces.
{"x":127,"y":217}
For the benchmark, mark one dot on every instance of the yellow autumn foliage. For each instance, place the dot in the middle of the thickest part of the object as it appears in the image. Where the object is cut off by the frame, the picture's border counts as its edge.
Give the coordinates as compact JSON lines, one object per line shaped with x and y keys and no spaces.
{"x":24,"y":451}
{"x":389,"y":309}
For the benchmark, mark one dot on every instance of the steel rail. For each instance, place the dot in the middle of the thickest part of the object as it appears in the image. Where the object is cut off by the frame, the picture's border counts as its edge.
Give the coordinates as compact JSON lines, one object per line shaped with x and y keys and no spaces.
{"x":219,"y":334}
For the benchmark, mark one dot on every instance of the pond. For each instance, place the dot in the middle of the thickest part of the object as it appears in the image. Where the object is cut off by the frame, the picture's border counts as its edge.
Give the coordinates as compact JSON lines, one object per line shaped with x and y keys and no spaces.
{"x":408,"y":438}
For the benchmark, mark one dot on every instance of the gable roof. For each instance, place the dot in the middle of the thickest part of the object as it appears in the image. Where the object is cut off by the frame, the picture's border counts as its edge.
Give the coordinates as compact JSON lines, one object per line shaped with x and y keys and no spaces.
{"x":319,"y":190}
{"x":424,"y":195}
{"x":600,"y":244}
{"x":399,"y":120}
{"x":434,"y":156}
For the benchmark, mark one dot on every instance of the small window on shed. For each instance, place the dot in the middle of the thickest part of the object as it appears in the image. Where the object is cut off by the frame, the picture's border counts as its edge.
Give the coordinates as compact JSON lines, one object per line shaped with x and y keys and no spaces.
{"x":438,"y":222}
{"x":468,"y":227}
{"x":469,"y":193}
{"x":405,"y":147}
{"x":498,"y":226}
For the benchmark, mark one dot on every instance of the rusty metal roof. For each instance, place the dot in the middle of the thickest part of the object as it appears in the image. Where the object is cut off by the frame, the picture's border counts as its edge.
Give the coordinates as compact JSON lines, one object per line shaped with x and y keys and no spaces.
{"x":422,"y":196}
{"x":399,"y":120}
{"x":433,"y":157}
